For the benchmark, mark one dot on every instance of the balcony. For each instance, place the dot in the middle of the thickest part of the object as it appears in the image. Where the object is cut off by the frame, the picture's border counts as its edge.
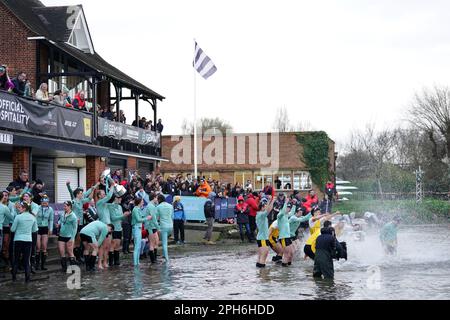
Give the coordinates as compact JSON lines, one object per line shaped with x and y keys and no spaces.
{"x":48,"y":125}
{"x":123,"y":137}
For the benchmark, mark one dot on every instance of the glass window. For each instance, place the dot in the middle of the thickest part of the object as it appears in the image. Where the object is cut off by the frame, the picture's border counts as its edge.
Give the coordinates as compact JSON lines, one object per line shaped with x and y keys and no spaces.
{"x":242,"y":177}
{"x":283,"y":180}
{"x":261,"y":180}
{"x":302,"y":180}
{"x":213,"y":175}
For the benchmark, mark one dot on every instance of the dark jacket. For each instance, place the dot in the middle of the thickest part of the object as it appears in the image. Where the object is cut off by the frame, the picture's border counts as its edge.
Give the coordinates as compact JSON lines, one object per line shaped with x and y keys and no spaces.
{"x":36,"y":197}
{"x":241,"y":211}
{"x":18,"y":184}
{"x":325,"y":252}
{"x":159,"y":127}
{"x":19,"y":87}
{"x":209,"y":209}
{"x":326,"y":242}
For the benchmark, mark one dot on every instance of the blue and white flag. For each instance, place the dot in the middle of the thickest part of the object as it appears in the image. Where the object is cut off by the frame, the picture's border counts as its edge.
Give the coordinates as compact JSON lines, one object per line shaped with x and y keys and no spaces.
{"x":202,"y":63}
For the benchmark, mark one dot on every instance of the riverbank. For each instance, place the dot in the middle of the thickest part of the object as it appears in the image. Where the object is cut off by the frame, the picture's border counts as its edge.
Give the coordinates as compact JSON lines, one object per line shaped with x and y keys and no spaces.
{"x":429,"y":211}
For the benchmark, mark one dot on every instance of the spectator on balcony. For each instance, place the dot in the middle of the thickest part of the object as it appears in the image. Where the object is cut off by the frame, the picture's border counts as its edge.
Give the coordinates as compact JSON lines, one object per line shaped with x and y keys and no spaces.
{"x":159,"y":126}
{"x":79,"y":101}
{"x":29,"y":91}
{"x":150,"y":125}
{"x":106,"y":113}
{"x":5,"y":82}
{"x":142,"y":123}
{"x":42,"y":94}
{"x":19,"y":84}
{"x":60,"y":97}
{"x":134,"y":124}
{"x":122,"y":118}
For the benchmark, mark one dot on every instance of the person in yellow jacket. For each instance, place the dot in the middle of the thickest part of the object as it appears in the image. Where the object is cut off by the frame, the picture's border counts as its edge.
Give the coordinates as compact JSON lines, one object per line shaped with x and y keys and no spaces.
{"x":316,"y":220}
{"x":273,"y":242}
{"x":310,"y":245}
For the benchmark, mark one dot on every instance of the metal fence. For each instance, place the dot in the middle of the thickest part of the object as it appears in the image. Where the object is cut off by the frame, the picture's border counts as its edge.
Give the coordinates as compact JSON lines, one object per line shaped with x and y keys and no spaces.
{"x":360,"y":195}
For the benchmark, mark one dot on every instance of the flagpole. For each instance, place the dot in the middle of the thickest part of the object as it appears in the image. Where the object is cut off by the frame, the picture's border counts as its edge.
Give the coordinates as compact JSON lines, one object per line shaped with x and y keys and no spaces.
{"x":195,"y":123}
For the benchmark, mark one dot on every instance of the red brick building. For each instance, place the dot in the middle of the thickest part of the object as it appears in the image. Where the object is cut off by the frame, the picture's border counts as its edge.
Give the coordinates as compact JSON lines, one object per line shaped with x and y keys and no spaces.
{"x":53,"y":45}
{"x":243,"y":157}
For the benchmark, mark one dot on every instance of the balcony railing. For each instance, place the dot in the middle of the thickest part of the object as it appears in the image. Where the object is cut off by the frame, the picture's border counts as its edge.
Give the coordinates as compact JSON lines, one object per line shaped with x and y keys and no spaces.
{"x":124,"y":137}
{"x":21,"y":114}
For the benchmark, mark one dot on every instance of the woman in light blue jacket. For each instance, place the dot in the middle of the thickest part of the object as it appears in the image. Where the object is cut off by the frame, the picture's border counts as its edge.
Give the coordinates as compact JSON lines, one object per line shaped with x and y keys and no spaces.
{"x":45,"y":216}
{"x":23,"y":226}
{"x":164,"y":213}
{"x":68,"y":224}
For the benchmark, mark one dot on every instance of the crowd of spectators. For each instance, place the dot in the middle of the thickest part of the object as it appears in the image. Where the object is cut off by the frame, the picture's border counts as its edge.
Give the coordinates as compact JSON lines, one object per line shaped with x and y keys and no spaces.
{"x":21,"y":86}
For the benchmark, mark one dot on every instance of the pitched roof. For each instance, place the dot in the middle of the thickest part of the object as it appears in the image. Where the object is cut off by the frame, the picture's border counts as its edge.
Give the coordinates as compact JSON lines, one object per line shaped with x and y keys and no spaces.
{"x":51,"y":23}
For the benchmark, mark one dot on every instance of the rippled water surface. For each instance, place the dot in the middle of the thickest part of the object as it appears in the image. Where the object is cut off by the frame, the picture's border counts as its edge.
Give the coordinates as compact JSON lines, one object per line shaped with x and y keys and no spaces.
{"x":421,"y":270}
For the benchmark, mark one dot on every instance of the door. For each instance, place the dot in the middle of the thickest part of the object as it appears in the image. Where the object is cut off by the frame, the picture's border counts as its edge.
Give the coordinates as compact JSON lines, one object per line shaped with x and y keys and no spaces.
{"x":64,"y":175}
{"x":6,"y":174}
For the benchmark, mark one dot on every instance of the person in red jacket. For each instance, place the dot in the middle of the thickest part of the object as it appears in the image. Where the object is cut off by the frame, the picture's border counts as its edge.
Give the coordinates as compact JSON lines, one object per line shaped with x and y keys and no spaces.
{"x":330,"y":191}
{"x":79,"y":102}
{"x":311,"y":199}
{"x":252,"y":202}
{"x":241,"y":212}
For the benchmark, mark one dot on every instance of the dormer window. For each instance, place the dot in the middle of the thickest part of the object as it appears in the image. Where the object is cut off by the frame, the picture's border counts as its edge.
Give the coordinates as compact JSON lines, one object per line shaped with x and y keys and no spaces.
{"x":79,"y":36}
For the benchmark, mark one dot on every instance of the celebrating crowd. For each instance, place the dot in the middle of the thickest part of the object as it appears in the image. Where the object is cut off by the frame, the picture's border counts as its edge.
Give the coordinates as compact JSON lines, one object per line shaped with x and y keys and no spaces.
{"x":98,"y":223}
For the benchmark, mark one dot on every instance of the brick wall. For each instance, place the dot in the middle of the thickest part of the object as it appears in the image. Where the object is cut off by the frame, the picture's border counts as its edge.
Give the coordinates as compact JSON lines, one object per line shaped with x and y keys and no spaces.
{"x":289,"y":155}
{"x":18,"y":53}
{"x":132,"y":163}
{"x":289,"y":158}
{"x":94,"y":168}
{"x":21,"y":160}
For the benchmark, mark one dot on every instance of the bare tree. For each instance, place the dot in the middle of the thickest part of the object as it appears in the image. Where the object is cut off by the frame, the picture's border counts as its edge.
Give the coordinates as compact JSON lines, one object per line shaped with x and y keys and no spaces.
{"x":205,"y":124}
{"x":303,"y":126}
{"x":430,"y":112}
{"x":379,"y":146}
{"x":281,"y":122}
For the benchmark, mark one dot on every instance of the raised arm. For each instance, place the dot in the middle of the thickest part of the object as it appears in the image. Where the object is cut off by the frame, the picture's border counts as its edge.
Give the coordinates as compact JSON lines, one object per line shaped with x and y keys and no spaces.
{"x":292,"y":212}
{"x":70,"y":190}
{"x":282,"y":211}
{"x":88,"y":192}
{"x":17,"y":198}
{"x":106,"y":198}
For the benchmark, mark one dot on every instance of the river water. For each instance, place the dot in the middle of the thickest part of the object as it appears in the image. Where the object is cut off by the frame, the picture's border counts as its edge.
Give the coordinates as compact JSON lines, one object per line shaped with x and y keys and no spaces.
{"x":421,"y":270}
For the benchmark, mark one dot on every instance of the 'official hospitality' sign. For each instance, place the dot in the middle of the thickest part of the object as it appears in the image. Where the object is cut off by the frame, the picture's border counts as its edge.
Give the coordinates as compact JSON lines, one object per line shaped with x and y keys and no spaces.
{"x":29,"y":116}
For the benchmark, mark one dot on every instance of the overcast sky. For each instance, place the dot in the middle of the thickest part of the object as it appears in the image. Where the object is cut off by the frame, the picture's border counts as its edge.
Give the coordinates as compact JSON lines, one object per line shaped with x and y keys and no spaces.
{"x":336,"y":64}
